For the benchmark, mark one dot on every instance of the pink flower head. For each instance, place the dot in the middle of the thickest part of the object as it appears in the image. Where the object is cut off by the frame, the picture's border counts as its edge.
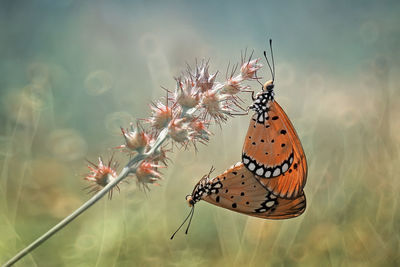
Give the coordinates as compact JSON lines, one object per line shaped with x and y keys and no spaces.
{"x":161,"y":116}
{"x":215,"y":105}
{"x":178,"y":130}
{"x":199,"y":125}
{"x":233,"y":86}
{"x":204,"y":81}
{"x":186,"y":94}
{"x":147,"y":173}
{"x":160,"y":155}
{"x":199,"y":130}
{"x":249,"y":69}
{"x":100,"y":175}
{"x":136,"y":140}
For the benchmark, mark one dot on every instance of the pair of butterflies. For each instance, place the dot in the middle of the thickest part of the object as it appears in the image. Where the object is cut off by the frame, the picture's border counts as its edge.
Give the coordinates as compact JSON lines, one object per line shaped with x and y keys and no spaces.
{"x":269,"y":181}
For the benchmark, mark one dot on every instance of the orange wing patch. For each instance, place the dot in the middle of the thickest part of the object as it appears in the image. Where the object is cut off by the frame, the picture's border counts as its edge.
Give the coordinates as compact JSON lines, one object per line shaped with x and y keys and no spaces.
{"x":267,"y":150}
{"x":237,"y":189}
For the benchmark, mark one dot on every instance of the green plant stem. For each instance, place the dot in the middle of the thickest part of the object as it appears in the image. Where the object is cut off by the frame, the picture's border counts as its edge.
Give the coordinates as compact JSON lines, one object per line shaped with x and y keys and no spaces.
{"x":122,"y":175}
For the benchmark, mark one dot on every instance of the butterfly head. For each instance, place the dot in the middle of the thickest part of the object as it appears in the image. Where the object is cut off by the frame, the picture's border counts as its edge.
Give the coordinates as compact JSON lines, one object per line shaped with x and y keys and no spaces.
{"x":190,"y":200}
{"x":268,"y":86}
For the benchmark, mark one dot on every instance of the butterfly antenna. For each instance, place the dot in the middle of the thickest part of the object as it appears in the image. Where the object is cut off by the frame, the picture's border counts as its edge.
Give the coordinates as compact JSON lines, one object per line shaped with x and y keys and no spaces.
{"x":269,"y":65}
{"x":211,"y":171}
{"x":190,"y":220}
{"x":190,"y":213}
{"x":258,"y":80}
{"x":273,"y":61}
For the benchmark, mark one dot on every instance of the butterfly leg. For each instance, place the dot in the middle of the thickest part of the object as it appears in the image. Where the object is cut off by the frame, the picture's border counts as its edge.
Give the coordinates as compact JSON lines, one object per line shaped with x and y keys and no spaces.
{"x":252,"y":93}
{"x":246,"y":112}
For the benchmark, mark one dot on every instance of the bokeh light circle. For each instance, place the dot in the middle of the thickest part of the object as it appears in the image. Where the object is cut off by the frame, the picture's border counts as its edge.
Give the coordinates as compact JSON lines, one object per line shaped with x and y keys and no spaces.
{"x":67,"y":144}
{"x":98,"y":82}
{"x":23,"y":107}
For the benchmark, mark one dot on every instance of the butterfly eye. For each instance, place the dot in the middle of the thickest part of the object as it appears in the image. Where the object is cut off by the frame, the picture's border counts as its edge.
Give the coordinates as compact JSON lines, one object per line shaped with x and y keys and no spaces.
{"x":270,"y":87}
{"x":190,"y":200}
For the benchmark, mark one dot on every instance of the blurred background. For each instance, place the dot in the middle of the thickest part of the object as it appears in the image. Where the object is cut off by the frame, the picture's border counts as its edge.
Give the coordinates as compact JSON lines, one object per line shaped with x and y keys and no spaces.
{"x":72,"y":72}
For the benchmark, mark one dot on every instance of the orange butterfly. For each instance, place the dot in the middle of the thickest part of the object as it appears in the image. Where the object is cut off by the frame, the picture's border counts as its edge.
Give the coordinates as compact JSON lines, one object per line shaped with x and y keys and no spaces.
{"x":237,"y":189}
{"x":269,"y":181}
{"x":272,"y":150}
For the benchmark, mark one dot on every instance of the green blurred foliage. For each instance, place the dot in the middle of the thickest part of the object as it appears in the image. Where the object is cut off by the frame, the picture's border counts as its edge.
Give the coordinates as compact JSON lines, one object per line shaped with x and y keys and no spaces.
{"x":72,"y":72}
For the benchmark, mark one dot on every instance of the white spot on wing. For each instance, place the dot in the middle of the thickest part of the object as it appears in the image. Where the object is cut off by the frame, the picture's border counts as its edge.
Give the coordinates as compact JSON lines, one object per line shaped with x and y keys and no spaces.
{"x":277,"y":172}
{"x":217,"y":185}
{"x":260,"y":172}
{"x":270,"y":204}
{"x":246,"y":160}
{"x":252,"y":166}
{"x":267,"y":174}
{"x":285,"y":167}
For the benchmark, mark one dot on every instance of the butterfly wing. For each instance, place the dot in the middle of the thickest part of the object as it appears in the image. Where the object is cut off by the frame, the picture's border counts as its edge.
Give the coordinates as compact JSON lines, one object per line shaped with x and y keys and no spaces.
{"x":292,"y":182}
{"x":239,"y":191}
{"x":272,"y":149}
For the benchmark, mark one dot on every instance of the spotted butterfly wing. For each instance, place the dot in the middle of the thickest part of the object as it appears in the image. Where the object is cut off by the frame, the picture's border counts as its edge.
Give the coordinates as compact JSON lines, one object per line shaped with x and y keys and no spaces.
{"x":292,"y":182}
{"x":272,"y":150}
{"x":237,"y":189}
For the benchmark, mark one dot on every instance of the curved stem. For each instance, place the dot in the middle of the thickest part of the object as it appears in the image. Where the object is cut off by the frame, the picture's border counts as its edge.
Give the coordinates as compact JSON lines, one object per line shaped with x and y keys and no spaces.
{"x":123,"y":174}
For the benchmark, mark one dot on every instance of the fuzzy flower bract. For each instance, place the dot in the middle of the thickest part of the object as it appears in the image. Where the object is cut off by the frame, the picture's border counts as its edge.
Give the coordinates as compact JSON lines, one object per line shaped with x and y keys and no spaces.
{"x":100,"y":175}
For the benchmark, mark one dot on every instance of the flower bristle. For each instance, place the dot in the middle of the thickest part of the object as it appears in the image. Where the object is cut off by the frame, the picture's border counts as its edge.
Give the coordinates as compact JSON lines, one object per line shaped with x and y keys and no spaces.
{"x":249,"y":68}
{"x":178,"y":130}
{"x":199,"y":131}
{"x":161,"y":115}
{"x":136,"y":140}
{"x":147,"y":173}
{"x":215,"y":106}
{"x":100,"y":175}
{"x":204,"y":81}
{"x":186,"y":94}
{"x":160,"y":155}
